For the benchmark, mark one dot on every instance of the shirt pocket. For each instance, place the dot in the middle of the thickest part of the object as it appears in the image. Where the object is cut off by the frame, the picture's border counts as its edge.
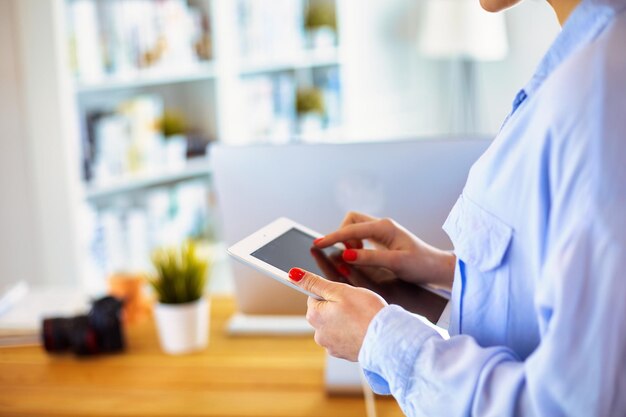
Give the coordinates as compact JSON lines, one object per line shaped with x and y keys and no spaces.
{"x":481,"y":290}
{"x":480,"y":238}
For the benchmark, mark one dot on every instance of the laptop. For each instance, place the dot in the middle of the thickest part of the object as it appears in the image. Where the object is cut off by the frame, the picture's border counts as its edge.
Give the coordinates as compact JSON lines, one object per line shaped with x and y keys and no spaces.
{"x":415,"y":182}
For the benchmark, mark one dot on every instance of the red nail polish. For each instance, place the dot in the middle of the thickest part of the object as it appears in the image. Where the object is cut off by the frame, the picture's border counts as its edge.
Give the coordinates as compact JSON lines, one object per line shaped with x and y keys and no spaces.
{"x":344,"y":270}
{"x":349,"y":255}
{"x":296,"y":274}
{"x":347,"y":245}
{"x":317,"y":241}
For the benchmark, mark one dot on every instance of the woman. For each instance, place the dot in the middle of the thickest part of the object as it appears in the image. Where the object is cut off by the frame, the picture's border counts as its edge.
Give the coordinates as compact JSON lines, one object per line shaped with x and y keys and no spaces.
{"x":538,"y":323}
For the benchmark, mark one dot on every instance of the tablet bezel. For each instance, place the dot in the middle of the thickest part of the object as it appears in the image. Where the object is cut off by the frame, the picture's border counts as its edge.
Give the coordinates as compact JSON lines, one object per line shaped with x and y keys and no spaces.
{"x":242,"y":250}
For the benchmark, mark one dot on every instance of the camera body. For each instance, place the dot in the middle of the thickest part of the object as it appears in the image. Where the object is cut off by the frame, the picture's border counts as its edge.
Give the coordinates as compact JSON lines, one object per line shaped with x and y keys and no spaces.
{"x":99,"y":331}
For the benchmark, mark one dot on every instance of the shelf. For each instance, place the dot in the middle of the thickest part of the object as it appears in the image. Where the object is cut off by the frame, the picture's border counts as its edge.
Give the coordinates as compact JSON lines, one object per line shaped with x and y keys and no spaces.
{"x":147,"y":78}
{"x":196,"y":168}
{"x":307,"y":59}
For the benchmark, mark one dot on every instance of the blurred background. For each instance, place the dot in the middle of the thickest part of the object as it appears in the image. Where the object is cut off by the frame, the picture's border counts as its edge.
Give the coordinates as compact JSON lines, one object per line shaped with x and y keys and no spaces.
{"x":109,"y":109}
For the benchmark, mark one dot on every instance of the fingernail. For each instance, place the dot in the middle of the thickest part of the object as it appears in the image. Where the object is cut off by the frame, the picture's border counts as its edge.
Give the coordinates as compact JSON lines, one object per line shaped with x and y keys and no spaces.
{"x":317,"y":241}
{"x":349,"y":255}
{"x":296,"y":274}
{"x":344,"y":270}
{"x":347,"y":245}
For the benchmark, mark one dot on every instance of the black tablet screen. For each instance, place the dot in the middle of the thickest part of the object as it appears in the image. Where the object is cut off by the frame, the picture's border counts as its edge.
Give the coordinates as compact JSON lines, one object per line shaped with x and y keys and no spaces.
{"x":292,"y":249}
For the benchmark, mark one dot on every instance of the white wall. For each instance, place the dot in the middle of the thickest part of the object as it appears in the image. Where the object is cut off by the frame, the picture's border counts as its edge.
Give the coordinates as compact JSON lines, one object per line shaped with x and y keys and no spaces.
{"x":39,"y":173}
{"x":393,"y":91}
{"x":532,"y":27}
{"x":390,"y":91}
{"x":19,"y":243}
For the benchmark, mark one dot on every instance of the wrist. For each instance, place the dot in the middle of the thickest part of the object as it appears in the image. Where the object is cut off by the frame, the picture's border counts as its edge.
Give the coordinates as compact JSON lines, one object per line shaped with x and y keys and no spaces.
{"x":442,"y":266}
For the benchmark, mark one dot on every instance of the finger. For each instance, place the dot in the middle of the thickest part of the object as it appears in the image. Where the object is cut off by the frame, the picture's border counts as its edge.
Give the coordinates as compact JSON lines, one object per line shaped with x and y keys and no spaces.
{"x":326,"y":265}
{"x":347,"y":234}
{"x":321,"y":243}
{"x":315,"y":284}
{"x":378,"y":230}
{"x":389,"y":259}
{"x":312,"y":303}
{"x":371,"y":277}
{"x":354,"y":217}
{"x":340,"y":266}
{"x":353,"y":244}
{"x":313,"y":315}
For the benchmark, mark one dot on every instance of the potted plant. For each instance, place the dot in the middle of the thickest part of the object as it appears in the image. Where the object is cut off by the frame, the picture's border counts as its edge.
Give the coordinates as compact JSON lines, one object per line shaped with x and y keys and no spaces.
{"x":310,"y":109}
{"x":320,"y":21}
{"x":182,"y":311}
{"x":173,"y":128}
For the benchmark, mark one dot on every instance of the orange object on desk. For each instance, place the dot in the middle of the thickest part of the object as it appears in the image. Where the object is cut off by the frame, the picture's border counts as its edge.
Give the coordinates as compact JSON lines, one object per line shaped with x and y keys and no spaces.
{"x":130,"y":288}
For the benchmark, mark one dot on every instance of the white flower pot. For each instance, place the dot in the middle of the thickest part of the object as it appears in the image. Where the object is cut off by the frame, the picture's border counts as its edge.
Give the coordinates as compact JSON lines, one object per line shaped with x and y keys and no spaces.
{"x":183,"y":328}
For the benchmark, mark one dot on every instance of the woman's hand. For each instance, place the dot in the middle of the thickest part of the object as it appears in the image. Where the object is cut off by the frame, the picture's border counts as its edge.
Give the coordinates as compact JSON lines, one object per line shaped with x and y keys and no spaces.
{"x":396,"y":249}
{"x":342,"y":318}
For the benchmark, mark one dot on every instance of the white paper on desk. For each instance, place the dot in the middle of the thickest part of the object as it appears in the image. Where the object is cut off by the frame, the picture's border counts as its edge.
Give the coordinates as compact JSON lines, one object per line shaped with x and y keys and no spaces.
{"x":41,"y":302}
{"x":11,"y":294}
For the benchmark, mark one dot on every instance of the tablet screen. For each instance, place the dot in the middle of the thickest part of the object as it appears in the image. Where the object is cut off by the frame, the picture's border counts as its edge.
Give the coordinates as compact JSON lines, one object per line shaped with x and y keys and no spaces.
{"x":294,"y":248}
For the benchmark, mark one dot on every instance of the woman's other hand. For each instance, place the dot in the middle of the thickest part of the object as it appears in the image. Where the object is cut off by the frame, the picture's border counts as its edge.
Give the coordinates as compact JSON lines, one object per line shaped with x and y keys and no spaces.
{"x":342,"y":318}
{"x":395,"y":248}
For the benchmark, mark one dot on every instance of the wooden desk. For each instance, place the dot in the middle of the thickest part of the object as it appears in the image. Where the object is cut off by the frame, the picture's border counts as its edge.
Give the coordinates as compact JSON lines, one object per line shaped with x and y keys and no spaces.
{"x":243,"y":376}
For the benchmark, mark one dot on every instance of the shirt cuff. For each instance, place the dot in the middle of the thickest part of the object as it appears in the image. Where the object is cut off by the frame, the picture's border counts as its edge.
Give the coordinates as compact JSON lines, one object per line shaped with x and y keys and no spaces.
{"x":390,"y":348}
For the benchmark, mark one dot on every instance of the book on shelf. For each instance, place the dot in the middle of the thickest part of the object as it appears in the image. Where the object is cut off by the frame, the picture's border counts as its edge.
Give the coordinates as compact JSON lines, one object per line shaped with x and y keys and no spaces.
{"x":112,"y":39}
{"x":269,"y":104}
{"x":270,"y":33}
{"x":131,"y":139}
{"x":124,"y":140}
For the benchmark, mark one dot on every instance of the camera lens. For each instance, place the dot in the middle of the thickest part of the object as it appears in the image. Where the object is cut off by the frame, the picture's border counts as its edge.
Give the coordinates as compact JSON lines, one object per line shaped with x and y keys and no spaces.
{"x":100,"y":331}
{"x":74,"y":334}
{"x":55,"y":334}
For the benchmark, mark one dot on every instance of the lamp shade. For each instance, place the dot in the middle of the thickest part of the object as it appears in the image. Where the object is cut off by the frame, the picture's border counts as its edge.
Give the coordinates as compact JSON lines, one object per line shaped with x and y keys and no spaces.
{"x":462,"y":29}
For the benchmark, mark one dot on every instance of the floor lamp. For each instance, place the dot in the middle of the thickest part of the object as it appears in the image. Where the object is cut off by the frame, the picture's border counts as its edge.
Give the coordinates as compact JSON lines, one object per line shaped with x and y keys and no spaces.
{"x":461,"y":33}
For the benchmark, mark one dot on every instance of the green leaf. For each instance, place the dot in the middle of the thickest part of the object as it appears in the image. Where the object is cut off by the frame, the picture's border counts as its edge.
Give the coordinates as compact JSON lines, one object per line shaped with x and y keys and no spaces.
{"x":181,"y":274}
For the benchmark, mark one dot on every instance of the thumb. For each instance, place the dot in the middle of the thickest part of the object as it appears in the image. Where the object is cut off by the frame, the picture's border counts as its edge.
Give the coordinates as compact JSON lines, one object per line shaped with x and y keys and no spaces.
{"x":315,"y":284}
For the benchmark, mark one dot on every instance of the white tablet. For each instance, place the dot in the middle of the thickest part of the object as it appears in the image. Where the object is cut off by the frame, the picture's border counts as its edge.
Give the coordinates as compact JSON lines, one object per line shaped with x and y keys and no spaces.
{"x":284,"y":244}
{"x":276,"y":248}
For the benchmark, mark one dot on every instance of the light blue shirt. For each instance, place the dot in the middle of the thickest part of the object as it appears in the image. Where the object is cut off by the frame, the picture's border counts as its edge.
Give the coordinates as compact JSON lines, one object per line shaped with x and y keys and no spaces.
{"x":538,"y":324}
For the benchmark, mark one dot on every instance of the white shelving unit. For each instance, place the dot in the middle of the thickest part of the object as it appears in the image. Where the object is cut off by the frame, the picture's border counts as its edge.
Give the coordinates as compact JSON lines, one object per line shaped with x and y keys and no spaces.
{"x":212,"y":95}
{"x":148,"y":78}
{"x":302,"y":61}
{"x":132,"y":183}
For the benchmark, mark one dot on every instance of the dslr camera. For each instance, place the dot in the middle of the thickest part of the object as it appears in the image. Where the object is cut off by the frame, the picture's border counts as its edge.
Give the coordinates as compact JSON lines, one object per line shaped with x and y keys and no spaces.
{"x":99,"y":331}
